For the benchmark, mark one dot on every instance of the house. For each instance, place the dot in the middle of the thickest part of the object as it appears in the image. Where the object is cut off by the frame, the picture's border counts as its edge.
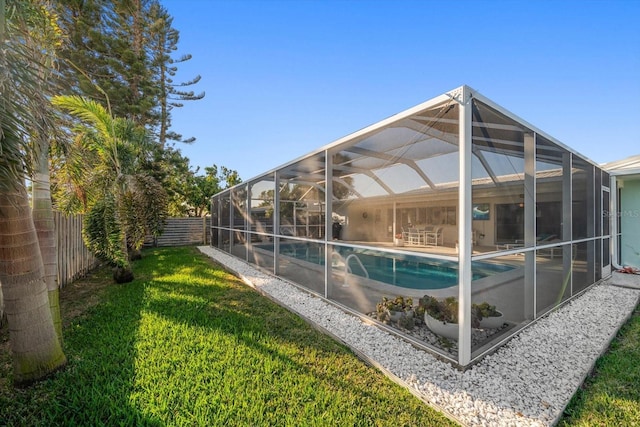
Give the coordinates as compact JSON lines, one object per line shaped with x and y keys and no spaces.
{"x":625,"y":193}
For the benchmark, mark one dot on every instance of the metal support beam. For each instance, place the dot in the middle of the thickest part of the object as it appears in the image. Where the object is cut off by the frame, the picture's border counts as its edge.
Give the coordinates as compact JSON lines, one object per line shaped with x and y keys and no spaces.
{"x":232,"y":232}
{"x":247,"y":222}
{"x":464,"y":231}
{"x":529,"y":224}
{"x":567,"y":213}
{"x":328,"y":220}
{"x":393,"y":159}
{"x":276,"y":223}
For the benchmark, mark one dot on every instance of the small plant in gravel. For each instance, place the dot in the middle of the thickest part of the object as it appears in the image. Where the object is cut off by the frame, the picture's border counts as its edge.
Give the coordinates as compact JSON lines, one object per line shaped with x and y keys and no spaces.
{"x":399,"y":310}
{"x":485,"y":310}
{"x":407,"y":322}
{"x":445,"y":310}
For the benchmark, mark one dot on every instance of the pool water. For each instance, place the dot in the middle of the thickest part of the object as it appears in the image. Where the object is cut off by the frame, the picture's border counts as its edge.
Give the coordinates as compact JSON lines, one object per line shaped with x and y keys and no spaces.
{"x":405,"y":271}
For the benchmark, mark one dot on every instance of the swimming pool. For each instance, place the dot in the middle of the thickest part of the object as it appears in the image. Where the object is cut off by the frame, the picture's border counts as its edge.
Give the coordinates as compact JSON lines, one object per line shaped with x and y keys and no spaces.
{"x":405,"y":271}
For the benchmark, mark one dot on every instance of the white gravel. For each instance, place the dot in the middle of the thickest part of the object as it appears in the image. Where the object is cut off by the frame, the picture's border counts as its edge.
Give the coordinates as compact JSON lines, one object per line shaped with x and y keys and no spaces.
{"x":527,"y":382}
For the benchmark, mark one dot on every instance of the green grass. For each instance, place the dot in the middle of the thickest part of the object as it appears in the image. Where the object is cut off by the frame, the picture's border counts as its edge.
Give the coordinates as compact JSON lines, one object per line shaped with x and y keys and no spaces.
{"x":188,"y":344}
{"x":611,"y":394}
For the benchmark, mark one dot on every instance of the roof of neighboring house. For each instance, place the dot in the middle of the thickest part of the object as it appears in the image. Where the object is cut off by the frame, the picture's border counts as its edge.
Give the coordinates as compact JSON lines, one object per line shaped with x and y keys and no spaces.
{"x":627,"y":166}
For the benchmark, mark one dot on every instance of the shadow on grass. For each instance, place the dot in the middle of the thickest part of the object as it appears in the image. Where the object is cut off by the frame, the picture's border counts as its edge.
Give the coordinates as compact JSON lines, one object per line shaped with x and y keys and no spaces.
{"x":279,"y":342}
{"x":94,"y":387}
{"x":186,"y":343}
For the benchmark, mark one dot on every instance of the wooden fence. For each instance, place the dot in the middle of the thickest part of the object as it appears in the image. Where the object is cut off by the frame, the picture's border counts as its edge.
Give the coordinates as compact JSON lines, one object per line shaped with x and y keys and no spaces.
{"x":74,"y":258}
{"x":182,"y":232}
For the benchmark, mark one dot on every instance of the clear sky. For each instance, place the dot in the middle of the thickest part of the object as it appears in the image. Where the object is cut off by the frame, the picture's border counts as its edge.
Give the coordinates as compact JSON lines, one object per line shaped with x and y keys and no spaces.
{"x":284,"y":78}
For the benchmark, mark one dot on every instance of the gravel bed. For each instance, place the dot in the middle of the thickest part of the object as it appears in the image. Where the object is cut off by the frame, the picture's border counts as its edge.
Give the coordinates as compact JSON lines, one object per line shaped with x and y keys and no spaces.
{"x":422,"y":333}
{"x":526,"y":382}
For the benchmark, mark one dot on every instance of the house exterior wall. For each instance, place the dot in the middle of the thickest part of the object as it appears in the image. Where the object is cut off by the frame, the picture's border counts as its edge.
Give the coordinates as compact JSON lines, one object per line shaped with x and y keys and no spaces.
{"x":630,"y":223}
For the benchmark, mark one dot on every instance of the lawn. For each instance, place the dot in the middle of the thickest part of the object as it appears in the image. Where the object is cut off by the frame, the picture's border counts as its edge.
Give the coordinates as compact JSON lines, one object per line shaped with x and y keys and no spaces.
{"x":188,"y":344}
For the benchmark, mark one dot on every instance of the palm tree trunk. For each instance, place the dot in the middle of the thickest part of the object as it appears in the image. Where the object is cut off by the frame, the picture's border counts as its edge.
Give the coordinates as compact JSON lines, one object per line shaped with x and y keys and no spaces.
{"x":123,"y":273}
{"x":35,"y":348}
{"x":2,"y":318}
{"x":45,"y":229}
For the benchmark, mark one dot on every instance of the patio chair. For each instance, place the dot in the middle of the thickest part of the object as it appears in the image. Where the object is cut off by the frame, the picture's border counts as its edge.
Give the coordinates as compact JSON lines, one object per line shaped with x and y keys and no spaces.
{"x":434,"y":237}
{"x":415,"y":237}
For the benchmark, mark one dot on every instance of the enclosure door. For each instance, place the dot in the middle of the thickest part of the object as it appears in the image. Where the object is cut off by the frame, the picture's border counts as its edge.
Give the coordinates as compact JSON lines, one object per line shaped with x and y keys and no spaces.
{"x":606,"y":241}
{"x":509,"y":222}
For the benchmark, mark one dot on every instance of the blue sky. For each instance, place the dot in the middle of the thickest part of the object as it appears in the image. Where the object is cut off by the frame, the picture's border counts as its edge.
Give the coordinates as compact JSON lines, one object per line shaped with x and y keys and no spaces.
{"x":283,"y":78}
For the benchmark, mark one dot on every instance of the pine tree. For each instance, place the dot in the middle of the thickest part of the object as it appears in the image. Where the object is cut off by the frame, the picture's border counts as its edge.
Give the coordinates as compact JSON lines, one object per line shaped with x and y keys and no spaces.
{"x":134,"y":87}
{"x":83,"y":65}
{"x":121,"y":51}
{"x":163,"y":41}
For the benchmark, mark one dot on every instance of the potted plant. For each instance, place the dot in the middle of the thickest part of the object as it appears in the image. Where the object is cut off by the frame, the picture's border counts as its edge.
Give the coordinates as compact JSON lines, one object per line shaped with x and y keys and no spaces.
{"x":398,"y":240}
{"x":441,"y":316}
{"x":490,"y":318}
{"x":394,"y":309}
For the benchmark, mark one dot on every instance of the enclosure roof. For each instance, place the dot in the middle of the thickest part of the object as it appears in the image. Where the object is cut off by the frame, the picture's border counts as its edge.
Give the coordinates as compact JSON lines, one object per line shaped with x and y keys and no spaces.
{"x":415,"y":142}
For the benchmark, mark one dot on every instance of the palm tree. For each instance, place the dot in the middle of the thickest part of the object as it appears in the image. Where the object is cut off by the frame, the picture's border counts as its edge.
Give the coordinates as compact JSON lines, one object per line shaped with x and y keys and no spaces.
{"x":123,"y":203}
{"x":44,"y":224}
{"x":40,"y":136}
{"x":35,"y":347}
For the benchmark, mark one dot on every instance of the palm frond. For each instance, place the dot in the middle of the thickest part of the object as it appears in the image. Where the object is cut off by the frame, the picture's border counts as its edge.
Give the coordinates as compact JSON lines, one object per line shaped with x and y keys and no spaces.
{"x":28,"y":39}
{"x":103,"y":233}
{"x":88,"y":110}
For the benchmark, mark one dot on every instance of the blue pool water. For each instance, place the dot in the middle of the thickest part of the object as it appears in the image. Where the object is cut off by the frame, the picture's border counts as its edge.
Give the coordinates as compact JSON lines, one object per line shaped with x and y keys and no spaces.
{"x":399,"y":270}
